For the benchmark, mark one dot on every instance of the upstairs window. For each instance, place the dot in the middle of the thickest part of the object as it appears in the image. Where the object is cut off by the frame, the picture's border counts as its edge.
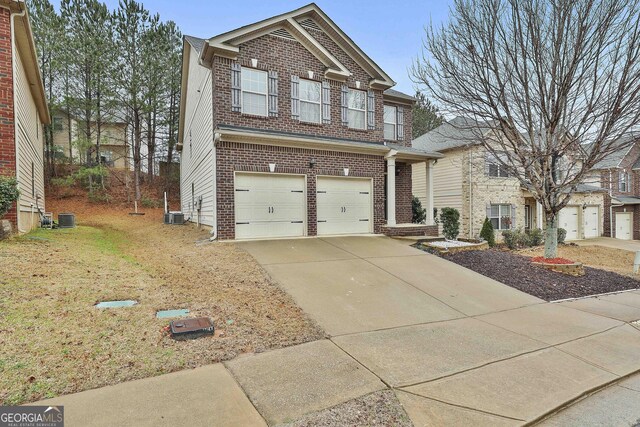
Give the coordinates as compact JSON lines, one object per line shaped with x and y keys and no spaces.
{"x":390,"y":122}
{"x":623,"y":182}
{"x":310,"y":101}
{"x":494,"y":167}
{"x":357,"y":107}
{"x":254,"y":92}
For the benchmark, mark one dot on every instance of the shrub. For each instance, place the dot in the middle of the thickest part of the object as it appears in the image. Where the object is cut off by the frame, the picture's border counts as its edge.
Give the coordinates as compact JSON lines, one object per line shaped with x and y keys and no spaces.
{"x":562,"y":234}
{"x":516,"y":239}
{"x":450,"y":219}
{"x":9,"y":193}
{"x":419,"y":213}
{"x":150,"y":203}
{"x":536,"y":237}
{"x":487,"y":232}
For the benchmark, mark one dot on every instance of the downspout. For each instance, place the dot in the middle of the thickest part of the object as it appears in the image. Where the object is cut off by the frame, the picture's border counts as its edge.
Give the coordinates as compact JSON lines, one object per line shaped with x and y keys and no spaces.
{"x":611,"y":206}
{"x":15,"y":112}
{"x":214,"y":231}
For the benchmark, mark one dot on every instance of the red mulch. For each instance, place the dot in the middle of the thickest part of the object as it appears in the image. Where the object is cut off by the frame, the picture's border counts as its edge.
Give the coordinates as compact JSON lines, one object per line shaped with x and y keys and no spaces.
{"x":544,"y":260}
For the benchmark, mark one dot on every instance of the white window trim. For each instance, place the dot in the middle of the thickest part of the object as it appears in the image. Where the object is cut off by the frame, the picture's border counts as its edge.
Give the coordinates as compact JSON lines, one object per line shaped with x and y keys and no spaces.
{"x":364,"y":110}
{"x":500,"y":216}
{"x":624,"y":182}
{"x":318,"y":103}
{"x":266,"y":93}
{"x":394,"y":123}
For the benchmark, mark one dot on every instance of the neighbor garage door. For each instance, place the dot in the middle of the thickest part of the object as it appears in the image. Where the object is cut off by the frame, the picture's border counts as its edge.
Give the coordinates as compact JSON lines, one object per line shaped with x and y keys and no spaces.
{"x":269,"y":205}
{"x":591,"y":222}
{"x":623,"y":225}
{"x":568,"y":219}
{"x":344,"y":205}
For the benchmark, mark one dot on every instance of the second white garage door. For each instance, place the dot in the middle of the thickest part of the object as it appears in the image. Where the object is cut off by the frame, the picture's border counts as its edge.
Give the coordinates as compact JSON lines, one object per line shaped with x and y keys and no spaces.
{"x":591,"y":222}
{"x":568,"y":219}
{"x":344,"y":205}
{"x":623,"y":225}
{"x":269,"y":205}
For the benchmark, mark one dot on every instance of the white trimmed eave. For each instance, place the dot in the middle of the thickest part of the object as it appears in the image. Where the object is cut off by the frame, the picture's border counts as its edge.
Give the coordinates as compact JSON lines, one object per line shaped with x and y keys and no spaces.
{"x":239,"y":136}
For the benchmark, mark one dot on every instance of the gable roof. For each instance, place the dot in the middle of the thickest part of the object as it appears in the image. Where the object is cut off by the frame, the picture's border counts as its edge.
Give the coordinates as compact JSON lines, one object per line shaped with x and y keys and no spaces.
{"x":197,"y":43}
{"x":613,"y":160}
{"x":227,"y":44}
{"x":457,"y":133}
{"x":396,"y":95}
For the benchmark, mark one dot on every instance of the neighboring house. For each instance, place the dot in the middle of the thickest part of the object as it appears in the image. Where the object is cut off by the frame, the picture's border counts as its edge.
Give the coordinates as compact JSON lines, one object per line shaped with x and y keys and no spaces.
{"x":114,"y":147}
{"x":472,"y":181}
{"x":287,"y":128}
{"x":23,"y":111}
{"x":619,"y":175}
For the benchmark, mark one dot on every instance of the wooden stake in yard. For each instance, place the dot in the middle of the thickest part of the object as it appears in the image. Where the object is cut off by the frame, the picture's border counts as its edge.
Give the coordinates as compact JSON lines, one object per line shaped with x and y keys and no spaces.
{"x":135,"y":206}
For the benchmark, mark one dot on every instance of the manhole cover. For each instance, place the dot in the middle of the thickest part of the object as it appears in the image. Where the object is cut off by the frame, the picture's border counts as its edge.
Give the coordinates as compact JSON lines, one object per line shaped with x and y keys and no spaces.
{"x":164,"y":314}
{"x":116,"y":304}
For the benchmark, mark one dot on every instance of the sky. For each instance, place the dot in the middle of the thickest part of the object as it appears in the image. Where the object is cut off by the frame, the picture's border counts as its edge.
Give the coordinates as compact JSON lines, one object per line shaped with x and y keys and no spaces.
{"x":390,"y":32}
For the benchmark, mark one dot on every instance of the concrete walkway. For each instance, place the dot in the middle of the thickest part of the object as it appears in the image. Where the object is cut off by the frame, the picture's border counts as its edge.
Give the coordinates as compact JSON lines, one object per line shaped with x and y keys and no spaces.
{"x":627,"y":245}
{"x":456,"y":347}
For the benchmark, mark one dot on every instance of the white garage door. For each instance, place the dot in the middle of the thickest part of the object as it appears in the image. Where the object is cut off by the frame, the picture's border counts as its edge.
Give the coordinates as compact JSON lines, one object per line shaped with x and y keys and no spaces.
{"x":591,"y":222}
{"x":623,"y":225}
{"x":269,"y":205}
{"x":344,"y":205}
{"x":568,"y":219}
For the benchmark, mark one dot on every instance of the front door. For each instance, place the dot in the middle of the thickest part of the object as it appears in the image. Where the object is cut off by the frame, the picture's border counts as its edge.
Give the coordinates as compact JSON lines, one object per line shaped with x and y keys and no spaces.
{"x":527,"y":217}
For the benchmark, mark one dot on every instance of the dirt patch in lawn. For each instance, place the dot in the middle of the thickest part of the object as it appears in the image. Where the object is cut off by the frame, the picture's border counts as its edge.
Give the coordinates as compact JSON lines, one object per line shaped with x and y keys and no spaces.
{"x":381,"y":408}
{"x":600,"y":257}
{"x":518,"y":272}
{"x":54,"y":341}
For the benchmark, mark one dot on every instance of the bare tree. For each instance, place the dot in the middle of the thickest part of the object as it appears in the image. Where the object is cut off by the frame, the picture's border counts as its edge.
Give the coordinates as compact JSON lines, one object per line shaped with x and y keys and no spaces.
{"x":556,"y":81}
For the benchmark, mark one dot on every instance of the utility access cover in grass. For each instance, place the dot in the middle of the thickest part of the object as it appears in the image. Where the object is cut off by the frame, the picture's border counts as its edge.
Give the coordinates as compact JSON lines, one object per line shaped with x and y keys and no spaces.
{"x":164,"y":314}
{"x":116,"y":304}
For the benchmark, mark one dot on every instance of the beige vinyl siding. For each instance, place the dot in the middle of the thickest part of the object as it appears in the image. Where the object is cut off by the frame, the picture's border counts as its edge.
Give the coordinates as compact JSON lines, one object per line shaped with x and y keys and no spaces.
{"x":30,"y":147}
{"x":593,"y":179}
{"x":196,"y":159}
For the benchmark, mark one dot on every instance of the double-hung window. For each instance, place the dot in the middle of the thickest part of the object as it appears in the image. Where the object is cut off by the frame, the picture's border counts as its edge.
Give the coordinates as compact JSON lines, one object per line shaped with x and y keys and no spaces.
{"x":500,"y":217}
{"x":623,"y":182}
{"x":495,"y":168}
{"x":254,"y":92}
{"x":310,"y":100}
{"x":357,"y":109}
{"x":58,"y":124}
{"x":390,"y":122}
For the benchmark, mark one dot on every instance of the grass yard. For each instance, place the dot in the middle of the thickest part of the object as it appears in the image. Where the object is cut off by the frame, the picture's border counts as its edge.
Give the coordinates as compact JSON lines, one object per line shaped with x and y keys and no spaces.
{"x":54,"y":341}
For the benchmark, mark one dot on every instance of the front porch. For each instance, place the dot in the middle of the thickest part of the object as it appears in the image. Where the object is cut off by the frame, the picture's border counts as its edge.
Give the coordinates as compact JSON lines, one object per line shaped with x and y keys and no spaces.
{"x":399,"y":193}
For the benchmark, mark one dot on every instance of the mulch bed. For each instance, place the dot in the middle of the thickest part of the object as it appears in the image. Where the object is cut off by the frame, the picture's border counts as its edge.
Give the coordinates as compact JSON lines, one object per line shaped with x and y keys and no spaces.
{"x":518,"y":272}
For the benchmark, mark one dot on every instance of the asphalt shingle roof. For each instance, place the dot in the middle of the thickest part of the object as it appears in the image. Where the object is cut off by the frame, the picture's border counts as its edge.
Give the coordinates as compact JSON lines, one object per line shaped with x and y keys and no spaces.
{"x":456,"y":133}
{"x":398,"y":94}
{"x":613,"y":160}
{"x":196,"y":42}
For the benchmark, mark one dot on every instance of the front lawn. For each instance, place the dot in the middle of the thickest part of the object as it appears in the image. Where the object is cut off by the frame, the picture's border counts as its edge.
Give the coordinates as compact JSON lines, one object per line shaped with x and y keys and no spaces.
{"x":54,"y":341}
{"x":518,"y":272}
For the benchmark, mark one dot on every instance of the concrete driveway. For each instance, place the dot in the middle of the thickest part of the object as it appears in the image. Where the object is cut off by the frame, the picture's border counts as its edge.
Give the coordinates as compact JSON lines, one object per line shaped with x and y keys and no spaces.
{"x":457,"y":347}
{"x":609,"y":242}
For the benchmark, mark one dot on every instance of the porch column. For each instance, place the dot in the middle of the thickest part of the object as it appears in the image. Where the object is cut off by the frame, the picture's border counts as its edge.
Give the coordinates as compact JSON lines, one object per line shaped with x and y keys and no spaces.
{"x":391,"y":190}
{"x":538,"y":215}
{"x":429,"y":200}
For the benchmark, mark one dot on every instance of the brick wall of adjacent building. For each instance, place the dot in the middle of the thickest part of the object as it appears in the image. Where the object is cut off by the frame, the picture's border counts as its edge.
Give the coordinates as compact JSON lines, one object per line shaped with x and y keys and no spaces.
{"x":232,"y":157}
{"x":289,"y":57}
{"x":7,"y":135}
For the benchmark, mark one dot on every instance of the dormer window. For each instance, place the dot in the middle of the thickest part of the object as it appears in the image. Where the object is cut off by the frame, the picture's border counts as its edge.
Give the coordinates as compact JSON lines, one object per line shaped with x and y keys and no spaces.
{"x":357,"y":108}
{"x":390,"y":122}
{"x":254,"y":92}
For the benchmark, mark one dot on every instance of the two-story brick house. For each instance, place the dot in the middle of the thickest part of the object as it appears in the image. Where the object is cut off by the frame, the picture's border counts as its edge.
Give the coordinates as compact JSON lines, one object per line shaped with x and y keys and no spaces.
{"x":287,"y":128}
{"x":619,"y":175}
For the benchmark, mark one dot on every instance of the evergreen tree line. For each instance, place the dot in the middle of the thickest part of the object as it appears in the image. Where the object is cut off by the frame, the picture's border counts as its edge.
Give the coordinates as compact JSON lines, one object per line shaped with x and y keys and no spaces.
{"x":103,"y":66}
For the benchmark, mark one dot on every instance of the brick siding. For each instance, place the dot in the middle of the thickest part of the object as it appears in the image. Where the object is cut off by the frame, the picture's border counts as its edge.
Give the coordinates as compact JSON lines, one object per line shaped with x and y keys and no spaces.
{"x":417,"y":230}
{"x":232,"y":157}
{"x":7,"y":135}
{"x":404,"y":213}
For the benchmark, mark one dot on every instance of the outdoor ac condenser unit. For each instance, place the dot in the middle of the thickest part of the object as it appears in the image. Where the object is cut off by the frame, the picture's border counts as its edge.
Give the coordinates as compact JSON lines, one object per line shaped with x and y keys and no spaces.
{"x":177,"y":218}
{"x":167,"y":218}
